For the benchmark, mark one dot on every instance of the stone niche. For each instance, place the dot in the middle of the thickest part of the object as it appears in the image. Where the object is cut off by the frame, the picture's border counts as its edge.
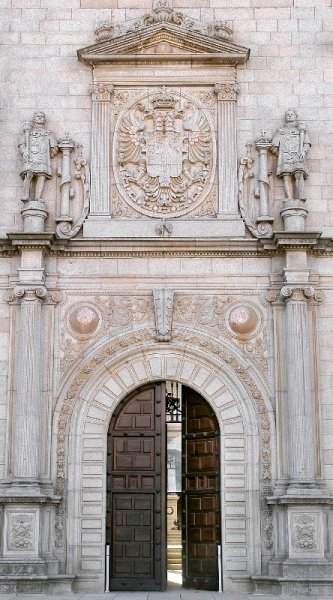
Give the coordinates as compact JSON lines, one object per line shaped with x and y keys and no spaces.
{"x":164,"y":129}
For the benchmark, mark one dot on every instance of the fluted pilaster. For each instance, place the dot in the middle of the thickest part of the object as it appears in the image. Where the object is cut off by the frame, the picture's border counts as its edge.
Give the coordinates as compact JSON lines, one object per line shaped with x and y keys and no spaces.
{"x":227,"y":147}
{"x":100,"y":149}
{"x":28,"y":410}
{"x":300,"y":417}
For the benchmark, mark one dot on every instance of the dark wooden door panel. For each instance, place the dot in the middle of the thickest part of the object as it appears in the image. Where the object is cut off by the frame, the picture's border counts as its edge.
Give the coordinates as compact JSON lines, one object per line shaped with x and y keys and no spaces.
{"x":201,"y":493}
{"x":136,"y":506}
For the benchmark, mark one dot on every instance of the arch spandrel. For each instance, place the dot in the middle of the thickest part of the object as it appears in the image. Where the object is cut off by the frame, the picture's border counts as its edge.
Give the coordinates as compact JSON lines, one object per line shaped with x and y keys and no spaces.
{"x":226,"y":380}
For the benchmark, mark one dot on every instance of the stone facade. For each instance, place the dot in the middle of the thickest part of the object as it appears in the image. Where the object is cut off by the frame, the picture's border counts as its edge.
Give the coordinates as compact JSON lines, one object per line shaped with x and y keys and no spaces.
{"x":167,"y":216}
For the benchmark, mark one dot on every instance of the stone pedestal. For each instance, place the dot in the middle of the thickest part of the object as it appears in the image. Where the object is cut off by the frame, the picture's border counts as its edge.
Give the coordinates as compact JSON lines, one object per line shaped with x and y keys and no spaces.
{"x":34,"y":215}
{"x":294,"y":213}
{"x":27,"y":563}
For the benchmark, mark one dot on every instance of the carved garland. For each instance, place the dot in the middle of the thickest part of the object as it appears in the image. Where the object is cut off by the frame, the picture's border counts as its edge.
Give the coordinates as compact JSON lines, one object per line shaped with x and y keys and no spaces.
{"x":137,"y":338}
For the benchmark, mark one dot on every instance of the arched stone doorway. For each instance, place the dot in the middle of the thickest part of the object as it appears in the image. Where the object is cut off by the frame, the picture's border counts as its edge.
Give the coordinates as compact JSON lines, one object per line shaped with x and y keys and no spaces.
{"x":137,"y":489}
{"x":238,"y":396}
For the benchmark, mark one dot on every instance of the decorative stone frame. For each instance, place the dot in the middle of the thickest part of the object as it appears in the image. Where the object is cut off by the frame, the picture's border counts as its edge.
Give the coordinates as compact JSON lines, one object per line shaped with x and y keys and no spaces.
{"x":136,"y":62}
{"x":239,"y":398}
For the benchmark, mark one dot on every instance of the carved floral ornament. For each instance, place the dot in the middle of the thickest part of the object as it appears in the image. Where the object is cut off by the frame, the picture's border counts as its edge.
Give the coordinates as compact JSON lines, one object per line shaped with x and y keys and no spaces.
{"x":22,"y":531}
{"x":163,"y":13}
{"x":305,"y":531}
{"x":164,"y":154}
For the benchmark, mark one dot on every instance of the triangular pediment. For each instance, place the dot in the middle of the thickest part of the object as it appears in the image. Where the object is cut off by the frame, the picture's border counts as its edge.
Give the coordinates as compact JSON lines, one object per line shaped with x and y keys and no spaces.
{"x":159,"y":42}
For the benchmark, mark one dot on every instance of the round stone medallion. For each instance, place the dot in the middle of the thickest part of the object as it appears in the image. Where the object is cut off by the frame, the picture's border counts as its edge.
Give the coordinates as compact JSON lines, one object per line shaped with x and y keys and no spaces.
{"x":243,"y":320}
{"x":83,"y":320}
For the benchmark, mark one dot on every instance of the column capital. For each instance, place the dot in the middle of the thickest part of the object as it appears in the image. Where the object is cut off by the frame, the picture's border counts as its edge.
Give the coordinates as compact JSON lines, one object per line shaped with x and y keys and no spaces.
{"x":29,"y":294}
{"x":101,"y":92}
{"x":301,"y":293}
{"x":226,"y":92}
{"x":294,"y":293}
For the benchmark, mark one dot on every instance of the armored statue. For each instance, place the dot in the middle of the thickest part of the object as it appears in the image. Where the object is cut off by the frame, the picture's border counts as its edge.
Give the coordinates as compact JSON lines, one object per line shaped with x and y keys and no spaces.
{"x":291,"y":144}
{"x":38,"y":146}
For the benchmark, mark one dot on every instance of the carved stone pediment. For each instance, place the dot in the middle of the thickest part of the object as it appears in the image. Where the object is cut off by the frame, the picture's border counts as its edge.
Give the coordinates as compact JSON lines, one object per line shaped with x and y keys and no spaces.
{"x":161,"y":41}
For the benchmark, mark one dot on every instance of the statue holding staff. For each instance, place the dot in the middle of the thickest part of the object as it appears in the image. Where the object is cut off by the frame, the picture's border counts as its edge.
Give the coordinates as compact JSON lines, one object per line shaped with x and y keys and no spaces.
{"x":37,"y":146}
{"x":291,"y":144}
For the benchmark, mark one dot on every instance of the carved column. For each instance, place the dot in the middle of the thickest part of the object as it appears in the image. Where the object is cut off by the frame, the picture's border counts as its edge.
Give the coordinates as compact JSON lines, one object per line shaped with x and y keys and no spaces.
{"x":28,"y":409}
{"x":299,"y":418}
{"x":227,"y":148}
{"x":66,"y":147}
{"x":100,"y":149}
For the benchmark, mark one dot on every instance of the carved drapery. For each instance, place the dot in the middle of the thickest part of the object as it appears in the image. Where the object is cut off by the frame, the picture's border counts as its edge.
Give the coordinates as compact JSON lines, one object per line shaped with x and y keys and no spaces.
{"x":100,"y":149}
{"x":226,"y":146}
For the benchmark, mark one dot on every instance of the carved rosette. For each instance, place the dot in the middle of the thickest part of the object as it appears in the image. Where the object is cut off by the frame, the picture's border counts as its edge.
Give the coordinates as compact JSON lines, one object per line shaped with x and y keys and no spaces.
{"x":164,"y":154}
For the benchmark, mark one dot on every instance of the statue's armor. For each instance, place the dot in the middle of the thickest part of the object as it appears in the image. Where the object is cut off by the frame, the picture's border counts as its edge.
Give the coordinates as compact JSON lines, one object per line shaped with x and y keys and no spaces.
{"x":40,"y":141}
{"x":287,"y":140}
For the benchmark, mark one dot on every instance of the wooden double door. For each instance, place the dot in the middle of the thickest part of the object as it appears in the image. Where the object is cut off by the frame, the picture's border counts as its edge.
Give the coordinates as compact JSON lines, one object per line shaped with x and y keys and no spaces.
{"x":136,"y":492}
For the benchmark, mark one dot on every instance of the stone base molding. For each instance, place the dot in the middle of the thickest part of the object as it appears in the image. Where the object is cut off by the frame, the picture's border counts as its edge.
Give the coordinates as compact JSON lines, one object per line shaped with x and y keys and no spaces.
{"x":27,"y":562}
{"x":302,"y":563}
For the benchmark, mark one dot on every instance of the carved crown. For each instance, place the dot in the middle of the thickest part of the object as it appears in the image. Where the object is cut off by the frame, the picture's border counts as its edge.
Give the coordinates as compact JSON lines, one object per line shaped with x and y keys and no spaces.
{"x":164,"y":101}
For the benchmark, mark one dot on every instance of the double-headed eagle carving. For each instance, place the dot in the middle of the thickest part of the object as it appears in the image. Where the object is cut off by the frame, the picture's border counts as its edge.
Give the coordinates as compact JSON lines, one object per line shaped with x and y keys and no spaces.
{"x":164,"y":154}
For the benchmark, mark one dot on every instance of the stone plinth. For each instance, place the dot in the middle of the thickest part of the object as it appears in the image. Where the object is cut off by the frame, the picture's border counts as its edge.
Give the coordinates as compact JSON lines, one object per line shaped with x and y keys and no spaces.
{"x":27,"y":561}
{"x":34,"y":215}
{"x":294,"y":213}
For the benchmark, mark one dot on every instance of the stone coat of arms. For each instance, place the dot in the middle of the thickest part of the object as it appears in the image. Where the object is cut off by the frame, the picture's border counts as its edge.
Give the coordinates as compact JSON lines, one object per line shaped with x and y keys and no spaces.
{"x":164,"y":155}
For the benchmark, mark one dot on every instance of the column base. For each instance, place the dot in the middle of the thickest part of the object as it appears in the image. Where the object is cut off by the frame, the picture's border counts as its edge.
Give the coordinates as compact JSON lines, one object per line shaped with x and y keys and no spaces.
{"x":34,"y":584}
{"x":290,"y":586}
{"x":303,"y":561}
{"x":27,"y":529}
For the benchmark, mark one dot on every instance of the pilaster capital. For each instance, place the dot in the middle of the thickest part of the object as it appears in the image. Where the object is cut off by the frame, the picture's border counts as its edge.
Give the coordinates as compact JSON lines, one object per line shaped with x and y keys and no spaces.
{"x":294,"y":293}
{"x":101,"y":92}
{"x":226,"y":92}
{"x":299,"y":293}
{"x":29,"y":293}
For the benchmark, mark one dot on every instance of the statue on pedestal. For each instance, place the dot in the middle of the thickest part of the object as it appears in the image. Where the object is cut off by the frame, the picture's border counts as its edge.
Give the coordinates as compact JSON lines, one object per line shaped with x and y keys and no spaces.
{"x":38,"y":146}
{"x":291,"y":144}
